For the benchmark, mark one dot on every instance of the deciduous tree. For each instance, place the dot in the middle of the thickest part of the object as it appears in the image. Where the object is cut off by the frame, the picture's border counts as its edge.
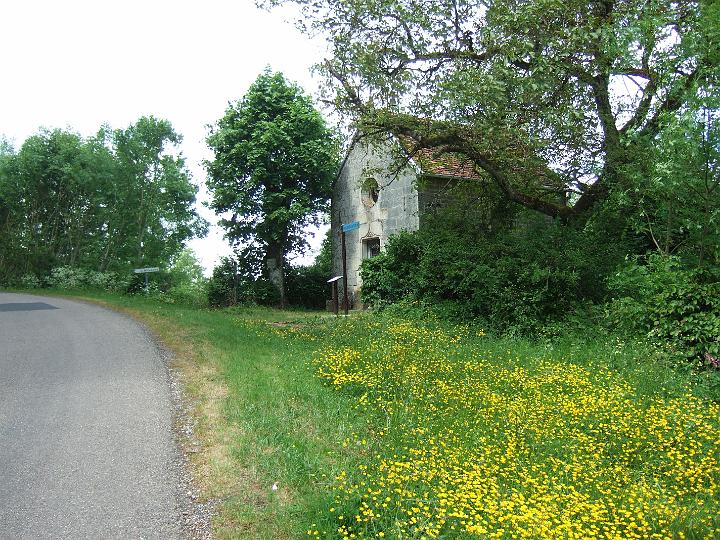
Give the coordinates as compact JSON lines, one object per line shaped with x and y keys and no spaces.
{"x":555,"y":100}
{"x":154,"y":228}
{"x":274,"y":163}
{"x":109,"y":202}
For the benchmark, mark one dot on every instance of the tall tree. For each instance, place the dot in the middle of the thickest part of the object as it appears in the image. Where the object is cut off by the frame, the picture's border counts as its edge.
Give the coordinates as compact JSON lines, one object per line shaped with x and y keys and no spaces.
{"x":51,"y":189}
{"x":162,"y":216}
{"x":275,"y":159}
{"x":555,"y":100}
{"x":678,"y":201}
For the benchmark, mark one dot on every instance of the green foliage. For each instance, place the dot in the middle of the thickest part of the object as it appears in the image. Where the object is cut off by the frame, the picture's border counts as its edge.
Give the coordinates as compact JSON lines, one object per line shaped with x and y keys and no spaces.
{"x":220,"y":285}
{"x":156,"y":186}
{"x":674,"y":199}
{"x":192,"y":296}
{"x":30,"y":281}
{"x":391,"y":276}
{"x":547,"y":97}
{"x":188,"y":286}
{"x":676,"y":307}
{"x":236,"y":282}
{"x":73,"y":278}
{"x":517,"y":280}
{"x":471,"y":436}
{"x":107,"y":203}
{"x":274,"y":163}
{"x":186,"y":269}
{"x":306,"y":285}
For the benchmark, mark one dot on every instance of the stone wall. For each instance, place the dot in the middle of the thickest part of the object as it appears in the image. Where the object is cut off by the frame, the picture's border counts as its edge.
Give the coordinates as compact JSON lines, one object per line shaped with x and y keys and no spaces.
{"x":396,"y":208}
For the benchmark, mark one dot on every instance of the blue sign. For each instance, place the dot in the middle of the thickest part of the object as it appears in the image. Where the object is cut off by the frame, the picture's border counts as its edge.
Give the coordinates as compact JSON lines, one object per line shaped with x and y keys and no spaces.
{"x":351,"y":226}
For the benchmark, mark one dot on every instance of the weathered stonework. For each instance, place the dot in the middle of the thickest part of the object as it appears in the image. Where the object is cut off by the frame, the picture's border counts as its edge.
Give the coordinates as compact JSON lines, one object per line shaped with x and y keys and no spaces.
{"x":399,"y":205}
{"x":396,"y":208}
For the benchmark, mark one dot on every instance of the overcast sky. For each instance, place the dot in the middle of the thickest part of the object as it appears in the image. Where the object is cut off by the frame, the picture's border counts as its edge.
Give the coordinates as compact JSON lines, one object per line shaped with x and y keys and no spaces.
{"x":80,"y":64}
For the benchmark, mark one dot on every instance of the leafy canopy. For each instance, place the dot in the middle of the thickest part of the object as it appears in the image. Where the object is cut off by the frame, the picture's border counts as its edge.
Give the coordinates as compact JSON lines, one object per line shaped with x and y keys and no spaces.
{"x":552,"y":98}
{"x":108,"y":203}
{"x":274,"y":163}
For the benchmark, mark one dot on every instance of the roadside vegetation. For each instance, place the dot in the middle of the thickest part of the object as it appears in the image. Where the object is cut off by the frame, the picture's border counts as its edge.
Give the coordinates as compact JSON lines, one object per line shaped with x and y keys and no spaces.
{"x":386,"y":425}
{"x":541,"y":359}
{"x":503,"y":438}
{"x":106,"y":204}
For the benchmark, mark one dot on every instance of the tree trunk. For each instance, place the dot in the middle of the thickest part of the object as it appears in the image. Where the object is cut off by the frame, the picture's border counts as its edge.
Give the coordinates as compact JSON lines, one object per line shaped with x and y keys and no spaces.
{"x":275,"y":264}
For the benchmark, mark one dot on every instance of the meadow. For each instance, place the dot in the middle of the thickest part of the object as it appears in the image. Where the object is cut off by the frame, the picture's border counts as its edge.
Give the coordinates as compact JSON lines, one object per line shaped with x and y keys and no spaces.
{"x":476,"y":437}
{"x":377,"y":426}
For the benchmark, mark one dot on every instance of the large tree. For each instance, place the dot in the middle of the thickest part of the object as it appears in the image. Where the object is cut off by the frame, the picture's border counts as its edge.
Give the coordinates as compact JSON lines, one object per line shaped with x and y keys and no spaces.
{"x":275,"y":160}
{"x":557,"y":101}
{"x":51,"y":188}
{"x":162,"y":216}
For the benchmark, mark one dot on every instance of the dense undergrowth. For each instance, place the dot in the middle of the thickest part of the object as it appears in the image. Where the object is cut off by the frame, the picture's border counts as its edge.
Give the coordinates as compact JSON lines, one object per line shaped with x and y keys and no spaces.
{"x":534,"y":277}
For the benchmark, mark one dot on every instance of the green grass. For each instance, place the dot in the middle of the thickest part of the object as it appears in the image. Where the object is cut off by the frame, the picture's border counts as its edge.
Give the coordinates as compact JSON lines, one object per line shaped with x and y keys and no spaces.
{"x":479,"y":437}
{"x":263,"y":417}
{"x":368,"y":423}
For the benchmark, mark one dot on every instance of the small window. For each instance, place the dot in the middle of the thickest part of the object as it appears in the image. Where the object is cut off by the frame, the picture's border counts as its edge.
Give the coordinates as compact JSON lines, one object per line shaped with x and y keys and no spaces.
{"x":371,"y":248}
{"x":370,"y":192}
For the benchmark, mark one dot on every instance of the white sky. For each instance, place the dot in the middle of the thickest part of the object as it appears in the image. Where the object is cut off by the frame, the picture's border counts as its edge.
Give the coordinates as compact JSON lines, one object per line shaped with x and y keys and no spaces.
{"x":82,"y":63}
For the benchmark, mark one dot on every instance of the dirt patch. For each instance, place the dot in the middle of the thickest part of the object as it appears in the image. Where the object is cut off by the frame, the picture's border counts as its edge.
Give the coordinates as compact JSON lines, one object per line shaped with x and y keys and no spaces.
{"x":286,"y":324}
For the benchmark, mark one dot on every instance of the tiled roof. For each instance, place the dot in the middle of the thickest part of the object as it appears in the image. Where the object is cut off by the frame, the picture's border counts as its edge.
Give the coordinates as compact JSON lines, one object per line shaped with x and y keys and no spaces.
{"x":436,"y":161}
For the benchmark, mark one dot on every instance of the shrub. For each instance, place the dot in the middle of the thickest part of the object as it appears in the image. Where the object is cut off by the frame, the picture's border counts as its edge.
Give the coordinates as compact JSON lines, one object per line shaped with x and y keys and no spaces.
{"x":220,"y":285}
{"x":69,"y":277}
{"x":393,"y":274}
{"x":30,"y":281}
{"x":670,"y":303}
{"x":193,"y":295}
{"x":514,"y":281}
{"x":307,"y":286}
{"x":226,"y":289}
{"x":157,"y":282}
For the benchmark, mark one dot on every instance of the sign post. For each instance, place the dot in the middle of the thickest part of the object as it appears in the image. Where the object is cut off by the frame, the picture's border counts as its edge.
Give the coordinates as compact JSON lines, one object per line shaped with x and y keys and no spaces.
{"x":146,"y":271}
{"x":333,"y":283}
{"x":344,"y":229}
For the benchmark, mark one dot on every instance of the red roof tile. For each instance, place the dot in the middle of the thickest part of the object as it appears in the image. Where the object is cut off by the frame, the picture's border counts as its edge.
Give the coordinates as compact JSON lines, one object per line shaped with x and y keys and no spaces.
{"x":436,"y":161}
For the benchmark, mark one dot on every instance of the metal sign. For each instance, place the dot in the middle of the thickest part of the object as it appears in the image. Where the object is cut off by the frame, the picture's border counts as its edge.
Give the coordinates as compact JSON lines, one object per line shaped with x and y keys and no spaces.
{"x":351,"y":226}
{"x":146,"y":270}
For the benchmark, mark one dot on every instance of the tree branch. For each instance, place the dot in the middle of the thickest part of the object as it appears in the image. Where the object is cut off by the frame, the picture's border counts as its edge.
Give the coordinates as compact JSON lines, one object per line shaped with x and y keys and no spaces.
{"x":453,"y":140}
{"x":673,"y":101}
{"x":349,"y":90}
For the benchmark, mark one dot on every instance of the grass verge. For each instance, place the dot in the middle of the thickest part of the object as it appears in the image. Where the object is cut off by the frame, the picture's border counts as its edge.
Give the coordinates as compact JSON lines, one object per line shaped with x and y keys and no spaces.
{"x":376,"y":427}
{"x":263,"y":420}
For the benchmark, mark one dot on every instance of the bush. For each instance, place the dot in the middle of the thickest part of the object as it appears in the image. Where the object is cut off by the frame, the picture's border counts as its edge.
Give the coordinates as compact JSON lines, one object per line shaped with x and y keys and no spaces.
{"x":220,"y":285}
{"x":392,"y":275}
{"x":307,"y":286}
{"x":193,"y":295}
{"x":30,"y":281}
{"x":69,"y":277}
{"x":673,"y":305}
{"x":514,"y":281}
{"x":157,"y":282}
{"x":226,"y":289}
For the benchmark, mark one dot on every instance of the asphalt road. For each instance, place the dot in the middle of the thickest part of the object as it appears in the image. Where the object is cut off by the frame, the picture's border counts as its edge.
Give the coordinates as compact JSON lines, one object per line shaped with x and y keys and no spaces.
{"x":86,"y":440}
